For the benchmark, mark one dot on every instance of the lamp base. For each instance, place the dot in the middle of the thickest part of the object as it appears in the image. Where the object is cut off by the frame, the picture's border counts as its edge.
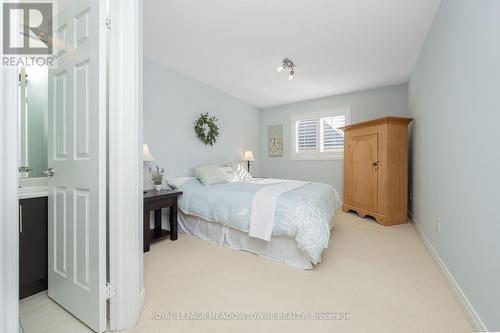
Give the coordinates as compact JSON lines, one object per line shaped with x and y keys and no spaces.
{"x":248,"y":166}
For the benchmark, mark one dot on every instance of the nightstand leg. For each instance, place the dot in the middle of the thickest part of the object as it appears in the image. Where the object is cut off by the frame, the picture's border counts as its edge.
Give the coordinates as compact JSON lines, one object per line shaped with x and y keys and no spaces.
{"x":173,"y":221}
{"x":158,"y":220}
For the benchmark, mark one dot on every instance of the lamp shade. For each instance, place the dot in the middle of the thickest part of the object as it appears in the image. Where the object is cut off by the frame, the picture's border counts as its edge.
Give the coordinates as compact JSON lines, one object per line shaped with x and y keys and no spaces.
{"x":248,"y":156}
{"x":147,"y":157}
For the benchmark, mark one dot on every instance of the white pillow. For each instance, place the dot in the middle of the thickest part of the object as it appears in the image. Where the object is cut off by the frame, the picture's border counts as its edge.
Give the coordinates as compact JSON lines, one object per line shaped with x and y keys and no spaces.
{"x":210,"y":174}
{"x":242,"y":174}
{"x":176,"y":182}
{"x":230,"y":174}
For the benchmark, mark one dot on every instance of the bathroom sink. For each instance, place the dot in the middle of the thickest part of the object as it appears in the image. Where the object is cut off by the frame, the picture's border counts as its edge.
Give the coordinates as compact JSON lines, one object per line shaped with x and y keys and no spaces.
{"x":33,"y":187}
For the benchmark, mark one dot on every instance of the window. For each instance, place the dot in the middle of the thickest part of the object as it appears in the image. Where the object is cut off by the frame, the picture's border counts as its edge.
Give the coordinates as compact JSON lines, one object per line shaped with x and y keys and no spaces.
{"x":317,"y":135}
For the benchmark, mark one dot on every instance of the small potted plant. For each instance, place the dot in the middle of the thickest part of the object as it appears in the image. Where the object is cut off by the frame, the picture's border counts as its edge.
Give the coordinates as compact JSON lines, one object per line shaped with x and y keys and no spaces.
{"x":157,"y":177}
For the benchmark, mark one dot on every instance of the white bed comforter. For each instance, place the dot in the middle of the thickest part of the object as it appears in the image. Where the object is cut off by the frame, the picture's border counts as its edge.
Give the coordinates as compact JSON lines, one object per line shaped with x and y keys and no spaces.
{"x":264,"y":206}
{"x":303,"y":214}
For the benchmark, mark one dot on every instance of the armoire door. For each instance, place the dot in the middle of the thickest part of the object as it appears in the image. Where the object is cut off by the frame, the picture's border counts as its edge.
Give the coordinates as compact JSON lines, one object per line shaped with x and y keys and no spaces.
{"x":362,"y":163}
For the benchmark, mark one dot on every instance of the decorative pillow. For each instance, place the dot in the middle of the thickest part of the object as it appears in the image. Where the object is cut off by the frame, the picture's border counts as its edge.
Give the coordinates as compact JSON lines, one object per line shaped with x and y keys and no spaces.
{"x":242,"y":174}
{"x":210,"y":174}
{"x":230,"y":174}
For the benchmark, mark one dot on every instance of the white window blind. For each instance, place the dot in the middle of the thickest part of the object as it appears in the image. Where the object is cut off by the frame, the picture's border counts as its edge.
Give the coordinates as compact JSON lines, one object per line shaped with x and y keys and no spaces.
{"x":306,"y":135}
{"x":331,"y":138}
{"x":317,"y":135}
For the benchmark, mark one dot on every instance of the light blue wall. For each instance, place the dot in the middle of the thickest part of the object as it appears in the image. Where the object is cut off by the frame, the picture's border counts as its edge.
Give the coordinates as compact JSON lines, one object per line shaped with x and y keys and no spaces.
{"x":173,"y":102}
{"x":454,"y":98}
{"x":365,"y":105}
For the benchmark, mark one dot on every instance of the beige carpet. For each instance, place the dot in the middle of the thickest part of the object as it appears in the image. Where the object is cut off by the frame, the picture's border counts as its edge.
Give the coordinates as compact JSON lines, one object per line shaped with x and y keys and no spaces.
{"x":382,"y":276}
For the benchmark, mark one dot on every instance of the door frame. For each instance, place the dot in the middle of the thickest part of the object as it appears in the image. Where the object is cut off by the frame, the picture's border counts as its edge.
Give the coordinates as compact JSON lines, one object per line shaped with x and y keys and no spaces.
{"x":126,"y":272}
{"x":125,"y":180}
{"x":9,"y":232}
{"x":9,"y":203}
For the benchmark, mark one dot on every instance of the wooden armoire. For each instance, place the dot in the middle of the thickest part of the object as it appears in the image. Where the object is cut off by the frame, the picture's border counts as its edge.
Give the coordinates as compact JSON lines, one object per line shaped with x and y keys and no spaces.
{"x":376,"y":169}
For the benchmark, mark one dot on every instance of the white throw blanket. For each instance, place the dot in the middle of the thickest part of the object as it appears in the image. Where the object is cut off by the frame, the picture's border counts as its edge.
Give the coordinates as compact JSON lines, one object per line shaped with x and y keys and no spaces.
{"x":264,"y":205}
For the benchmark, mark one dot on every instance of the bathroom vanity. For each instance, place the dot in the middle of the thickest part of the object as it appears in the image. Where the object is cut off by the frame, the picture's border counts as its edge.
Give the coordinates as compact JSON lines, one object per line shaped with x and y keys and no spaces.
{"x":33,"y":250}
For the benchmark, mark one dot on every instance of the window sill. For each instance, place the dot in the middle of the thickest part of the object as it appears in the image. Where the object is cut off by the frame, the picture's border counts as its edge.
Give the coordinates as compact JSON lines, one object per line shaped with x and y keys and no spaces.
{"x":316,"y":158}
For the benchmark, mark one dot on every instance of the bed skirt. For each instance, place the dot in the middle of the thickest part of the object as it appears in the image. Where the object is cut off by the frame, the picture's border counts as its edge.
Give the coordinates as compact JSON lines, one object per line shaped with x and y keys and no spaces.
{"x":283,"y":249}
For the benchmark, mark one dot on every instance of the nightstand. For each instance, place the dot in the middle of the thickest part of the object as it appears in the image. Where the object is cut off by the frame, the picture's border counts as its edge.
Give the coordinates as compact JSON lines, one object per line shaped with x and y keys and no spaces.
{"x":157,"y":200}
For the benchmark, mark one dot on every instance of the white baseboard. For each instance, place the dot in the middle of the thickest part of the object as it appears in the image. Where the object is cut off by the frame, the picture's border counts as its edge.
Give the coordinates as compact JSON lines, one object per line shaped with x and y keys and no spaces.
{"x":474,"y":318}
{"x":142,"y":300}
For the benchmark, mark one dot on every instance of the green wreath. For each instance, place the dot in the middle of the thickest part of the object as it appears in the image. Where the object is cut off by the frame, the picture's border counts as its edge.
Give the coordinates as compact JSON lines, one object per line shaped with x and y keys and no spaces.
{"x":206,"y":129}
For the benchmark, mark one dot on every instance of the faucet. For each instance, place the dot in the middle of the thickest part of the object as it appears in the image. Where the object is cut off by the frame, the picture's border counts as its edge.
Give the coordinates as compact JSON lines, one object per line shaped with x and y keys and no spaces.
{"x":25,"y":169}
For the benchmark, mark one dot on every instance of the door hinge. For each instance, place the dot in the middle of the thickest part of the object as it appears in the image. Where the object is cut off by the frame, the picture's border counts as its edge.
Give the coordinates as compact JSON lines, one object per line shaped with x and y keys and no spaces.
{"x":110,"y":290}
{"x":107,"y":22}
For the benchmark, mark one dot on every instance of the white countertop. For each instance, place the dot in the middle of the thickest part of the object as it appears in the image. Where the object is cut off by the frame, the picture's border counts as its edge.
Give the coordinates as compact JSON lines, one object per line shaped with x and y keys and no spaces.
{"x":33,"y":188}
{"x":33,"y":192}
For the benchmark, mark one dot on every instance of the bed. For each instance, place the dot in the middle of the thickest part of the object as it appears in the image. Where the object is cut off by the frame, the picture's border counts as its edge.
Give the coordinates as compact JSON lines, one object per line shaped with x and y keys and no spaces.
{"x":237,"y":214}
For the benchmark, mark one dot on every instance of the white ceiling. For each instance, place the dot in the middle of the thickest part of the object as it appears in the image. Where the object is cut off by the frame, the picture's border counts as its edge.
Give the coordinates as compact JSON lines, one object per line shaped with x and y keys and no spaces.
{"x":338,"y":46}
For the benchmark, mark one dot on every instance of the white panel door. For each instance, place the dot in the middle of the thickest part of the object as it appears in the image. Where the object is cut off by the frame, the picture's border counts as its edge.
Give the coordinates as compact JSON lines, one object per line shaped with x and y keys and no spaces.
{"x":77,"y":153}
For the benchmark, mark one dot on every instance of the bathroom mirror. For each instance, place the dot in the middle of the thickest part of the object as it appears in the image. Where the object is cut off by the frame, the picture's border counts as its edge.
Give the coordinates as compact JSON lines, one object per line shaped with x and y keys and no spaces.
{"x":33,"y":117}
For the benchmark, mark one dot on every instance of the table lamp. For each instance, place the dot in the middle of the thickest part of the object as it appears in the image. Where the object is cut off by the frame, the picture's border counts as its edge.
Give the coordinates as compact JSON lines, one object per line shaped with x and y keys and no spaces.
{"x":248,"y":156}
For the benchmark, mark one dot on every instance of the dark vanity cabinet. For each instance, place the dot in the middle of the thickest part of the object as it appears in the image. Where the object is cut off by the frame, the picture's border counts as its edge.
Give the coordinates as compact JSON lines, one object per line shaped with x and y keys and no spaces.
{"x":33,"y":251}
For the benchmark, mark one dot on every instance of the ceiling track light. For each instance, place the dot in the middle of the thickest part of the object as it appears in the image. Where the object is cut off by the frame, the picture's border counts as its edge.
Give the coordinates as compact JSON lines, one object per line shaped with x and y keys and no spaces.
{"x":287,"y":63}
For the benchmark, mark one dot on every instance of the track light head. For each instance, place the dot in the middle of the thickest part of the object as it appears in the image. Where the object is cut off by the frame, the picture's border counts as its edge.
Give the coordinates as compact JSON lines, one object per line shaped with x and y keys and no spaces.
{"x":287,"y":63}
